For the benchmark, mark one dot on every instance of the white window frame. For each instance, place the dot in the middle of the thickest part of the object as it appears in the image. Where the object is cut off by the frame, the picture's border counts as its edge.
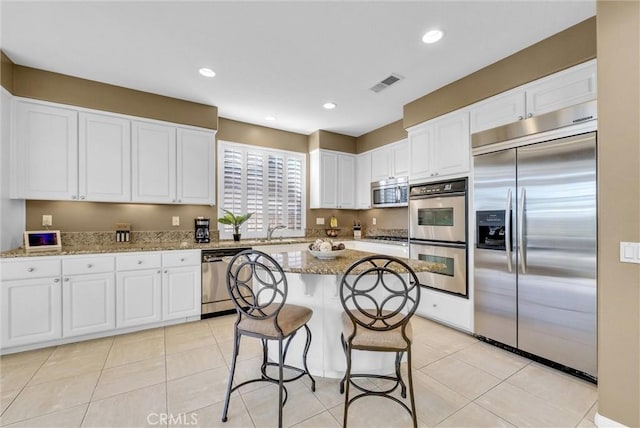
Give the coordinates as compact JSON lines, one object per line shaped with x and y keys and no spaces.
{"x":226,"y":232}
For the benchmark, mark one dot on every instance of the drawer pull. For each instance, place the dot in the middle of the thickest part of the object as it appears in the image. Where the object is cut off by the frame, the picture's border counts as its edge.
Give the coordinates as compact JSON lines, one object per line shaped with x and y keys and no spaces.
{"x":159,"y":271}
{"x":139,"y":262}
{"x":182,"y":260}
{"x":56,"y":280}
{"x":30,"y":269}
{"x":89,"y":265}
{"x":66,"y":280}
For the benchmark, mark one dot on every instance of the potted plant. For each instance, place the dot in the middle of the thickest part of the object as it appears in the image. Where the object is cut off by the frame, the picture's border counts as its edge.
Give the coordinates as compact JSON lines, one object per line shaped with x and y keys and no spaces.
{"x":235,"y":221}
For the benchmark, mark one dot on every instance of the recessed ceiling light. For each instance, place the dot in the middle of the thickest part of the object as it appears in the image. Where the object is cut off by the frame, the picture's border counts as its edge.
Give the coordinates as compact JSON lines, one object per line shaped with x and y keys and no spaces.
{"x":329,"y":105}
{"x":270,"y":118}
{"x":432,"y":36}
{"x":207,"y":72}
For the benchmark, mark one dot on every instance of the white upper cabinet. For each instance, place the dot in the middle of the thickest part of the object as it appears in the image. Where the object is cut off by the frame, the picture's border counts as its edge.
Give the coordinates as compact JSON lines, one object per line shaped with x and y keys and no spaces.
{"x":154,"y":163}
{"x":440,"y":147}
{"x":104,"y":152}
{"x":363,"y":181}
{"x":45,"y":147}
{"x":60,"y":153}
{"x":566,"y":88}
{"x":390,"y":160}
{"x":332,"y":176}
{"x":172,"y":165}
{"x":196,"y":167}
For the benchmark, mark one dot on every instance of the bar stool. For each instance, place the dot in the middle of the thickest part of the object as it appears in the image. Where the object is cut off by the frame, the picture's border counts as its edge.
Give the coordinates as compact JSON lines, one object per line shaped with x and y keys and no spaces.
{"x":379,"y":295}
{"x":258,"y":288}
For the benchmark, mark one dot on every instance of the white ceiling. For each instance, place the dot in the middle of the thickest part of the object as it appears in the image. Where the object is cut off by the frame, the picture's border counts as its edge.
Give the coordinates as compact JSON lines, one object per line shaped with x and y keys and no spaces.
{"x":280,"y":58}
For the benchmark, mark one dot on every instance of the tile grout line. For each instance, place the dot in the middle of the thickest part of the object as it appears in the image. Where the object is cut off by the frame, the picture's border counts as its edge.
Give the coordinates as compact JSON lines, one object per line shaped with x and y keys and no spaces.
{"x":84,"y":416}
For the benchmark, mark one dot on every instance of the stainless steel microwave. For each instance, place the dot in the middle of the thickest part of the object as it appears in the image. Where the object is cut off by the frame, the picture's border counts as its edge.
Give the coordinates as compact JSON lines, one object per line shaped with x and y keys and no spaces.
{"x":393,"y":192}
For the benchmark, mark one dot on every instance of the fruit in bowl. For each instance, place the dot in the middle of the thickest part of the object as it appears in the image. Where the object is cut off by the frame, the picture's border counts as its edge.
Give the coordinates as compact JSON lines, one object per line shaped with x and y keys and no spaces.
{"x":326,"y":249}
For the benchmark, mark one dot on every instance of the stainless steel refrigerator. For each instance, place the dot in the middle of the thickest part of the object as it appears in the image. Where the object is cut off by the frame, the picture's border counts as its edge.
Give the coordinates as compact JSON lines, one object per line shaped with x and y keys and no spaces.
{"x":535,"y":248}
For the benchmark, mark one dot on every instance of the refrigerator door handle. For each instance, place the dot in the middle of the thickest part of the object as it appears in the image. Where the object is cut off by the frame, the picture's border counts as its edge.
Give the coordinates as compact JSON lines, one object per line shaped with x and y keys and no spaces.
{"x":507,"y":231}
{"x":521,"y":243}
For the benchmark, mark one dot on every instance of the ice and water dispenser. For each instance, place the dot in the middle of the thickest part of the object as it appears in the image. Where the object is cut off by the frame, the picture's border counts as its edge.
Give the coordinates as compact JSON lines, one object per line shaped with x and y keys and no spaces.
{"x":491,"y":230}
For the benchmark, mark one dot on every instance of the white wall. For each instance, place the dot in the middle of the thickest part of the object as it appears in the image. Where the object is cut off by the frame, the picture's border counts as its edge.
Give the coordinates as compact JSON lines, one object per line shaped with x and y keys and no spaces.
{"x":12,"y":211}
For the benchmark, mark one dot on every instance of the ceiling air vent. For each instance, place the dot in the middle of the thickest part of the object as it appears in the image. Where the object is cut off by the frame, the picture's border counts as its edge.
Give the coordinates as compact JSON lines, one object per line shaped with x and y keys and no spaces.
{"x":385,"y":83}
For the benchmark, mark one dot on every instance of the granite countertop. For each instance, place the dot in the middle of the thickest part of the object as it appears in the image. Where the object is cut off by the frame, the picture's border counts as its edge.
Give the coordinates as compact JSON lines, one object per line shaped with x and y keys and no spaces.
{"x":158,"y":246}
{"x":305,"y":263}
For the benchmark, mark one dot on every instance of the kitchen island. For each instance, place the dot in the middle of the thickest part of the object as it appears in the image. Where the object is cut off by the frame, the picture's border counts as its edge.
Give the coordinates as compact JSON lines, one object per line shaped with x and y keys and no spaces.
{"x":315,"y":283}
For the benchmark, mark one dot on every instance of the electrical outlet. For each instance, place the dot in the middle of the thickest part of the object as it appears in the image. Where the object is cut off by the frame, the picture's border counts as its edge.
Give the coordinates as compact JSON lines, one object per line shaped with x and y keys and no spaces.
{"x":175,"y":221}
{"x":47,"y":220}
{"x":374,"y":221}
{"x":319,"y":220}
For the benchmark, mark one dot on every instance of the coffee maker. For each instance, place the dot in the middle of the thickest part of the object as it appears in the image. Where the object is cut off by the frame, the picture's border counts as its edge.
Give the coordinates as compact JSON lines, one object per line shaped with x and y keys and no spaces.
{"x":202,"y":230}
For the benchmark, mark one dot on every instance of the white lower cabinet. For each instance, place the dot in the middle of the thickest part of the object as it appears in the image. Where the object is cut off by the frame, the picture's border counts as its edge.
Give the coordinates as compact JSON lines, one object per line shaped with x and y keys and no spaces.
{"x":88,"y":295}
{"x":138,"y":289}
{"x":31,"y":311}
{"x":181,"y":284}
{"x":451,"y":310}
{"x":31,"y":305}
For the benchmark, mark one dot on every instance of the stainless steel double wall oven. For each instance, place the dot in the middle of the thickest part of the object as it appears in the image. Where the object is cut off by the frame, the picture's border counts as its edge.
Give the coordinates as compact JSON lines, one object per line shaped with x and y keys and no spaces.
{"x":438,"y":233}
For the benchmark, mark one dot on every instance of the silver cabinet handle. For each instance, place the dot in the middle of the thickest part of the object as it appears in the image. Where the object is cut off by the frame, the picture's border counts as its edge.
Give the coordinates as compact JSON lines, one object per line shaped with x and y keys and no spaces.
{"x":520,"y":117}
{"x":82,"y":196}
{"x":521,"y":242}
{"x":159,"y":271}
{"x":182,"y":259}
{"x":56,"y":280}
{"x":66,"y":280}
{"x":30,"y":269}
{"x":74,"y":197}
{"x":530,"y":115}
{"x":166,"y":271}
{"x":89,"y":266}
{"x":139,"y":262}
{"x":507,"y":231}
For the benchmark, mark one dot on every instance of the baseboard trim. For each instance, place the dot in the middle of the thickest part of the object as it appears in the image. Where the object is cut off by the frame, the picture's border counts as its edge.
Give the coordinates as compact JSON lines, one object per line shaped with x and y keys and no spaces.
{"x":604,"y":422}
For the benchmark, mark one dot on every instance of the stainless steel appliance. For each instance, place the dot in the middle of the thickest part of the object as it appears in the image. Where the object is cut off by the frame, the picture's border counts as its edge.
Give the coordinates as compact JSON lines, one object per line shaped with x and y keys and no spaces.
{"x":201,"y":233}
{"x":390,"y":193}
{"x":535,"y":230}
{"x":215,"y":296}
{"x":438,"y":233}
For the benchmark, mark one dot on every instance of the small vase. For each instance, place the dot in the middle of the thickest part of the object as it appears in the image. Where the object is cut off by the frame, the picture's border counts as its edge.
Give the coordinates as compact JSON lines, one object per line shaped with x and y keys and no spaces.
{"x":236,"y":236}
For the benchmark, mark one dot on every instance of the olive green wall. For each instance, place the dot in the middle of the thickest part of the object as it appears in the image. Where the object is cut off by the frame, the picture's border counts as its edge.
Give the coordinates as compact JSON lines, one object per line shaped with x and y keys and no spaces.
{"x":47,"y":86}
{"x":6,"y":72}
{"x":379,"y":137}
{"x":570,"y":47}
{"x":618,"y":210}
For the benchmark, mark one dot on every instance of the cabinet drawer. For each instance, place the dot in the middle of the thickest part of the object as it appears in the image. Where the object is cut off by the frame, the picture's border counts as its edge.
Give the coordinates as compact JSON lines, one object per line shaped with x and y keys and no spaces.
{"x":86,"y":265}
{"x":138,"y":261}
{"x":181,"y":258}
{"x":451,"y":310}
{"x":32,"y":268}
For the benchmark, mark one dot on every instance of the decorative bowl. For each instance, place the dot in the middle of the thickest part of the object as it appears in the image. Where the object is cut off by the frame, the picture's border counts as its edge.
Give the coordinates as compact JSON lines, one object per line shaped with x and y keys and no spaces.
{"x":326,"y":255}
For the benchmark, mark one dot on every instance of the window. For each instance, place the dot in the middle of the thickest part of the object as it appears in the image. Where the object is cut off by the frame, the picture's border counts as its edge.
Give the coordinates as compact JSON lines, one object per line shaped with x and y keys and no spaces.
{"x":269,"y":183}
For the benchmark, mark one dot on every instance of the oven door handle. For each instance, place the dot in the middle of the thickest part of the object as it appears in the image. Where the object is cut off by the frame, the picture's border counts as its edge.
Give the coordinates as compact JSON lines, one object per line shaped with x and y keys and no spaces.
{"x":507,"y":231}
{"x":437,"y":195}
{"x":438,"y":244}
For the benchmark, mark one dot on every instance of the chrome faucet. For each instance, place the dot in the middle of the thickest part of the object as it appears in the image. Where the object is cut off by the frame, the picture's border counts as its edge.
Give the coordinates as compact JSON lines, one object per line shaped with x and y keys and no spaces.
{"x":271,"y":229}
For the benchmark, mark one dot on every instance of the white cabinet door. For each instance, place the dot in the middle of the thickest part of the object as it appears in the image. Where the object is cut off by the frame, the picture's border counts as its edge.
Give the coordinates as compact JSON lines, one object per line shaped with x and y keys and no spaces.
{"x":363,"y":181}
{"x":451,"y":145}
{"x":138,"y":297}
{"x":154,"y":163}
{"x":497,"y":111}
{"x":30,"y":311}
{"x":181,"y":292}
{"x":566,"y":88}
{"x":421,"y":149}
{"x":346,"y":181}
{"x":390,"y":161}
{"x":400,"y":158}
{"x":88,"y":303}
{"x":440,"y":147}
{"x":46,"y":148}
{"x":381,"y":164}
{"x":328,"y":179}
{"x":104,"y":158}
{"x":195,"y":167}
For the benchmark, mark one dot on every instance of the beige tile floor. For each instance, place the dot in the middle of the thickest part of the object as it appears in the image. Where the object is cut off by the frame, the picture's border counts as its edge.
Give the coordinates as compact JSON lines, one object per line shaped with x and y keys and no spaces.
{"x":177,"y":376}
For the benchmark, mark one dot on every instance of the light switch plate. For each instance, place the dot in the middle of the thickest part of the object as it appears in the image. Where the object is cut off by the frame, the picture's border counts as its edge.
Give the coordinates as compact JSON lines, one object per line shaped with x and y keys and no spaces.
{"x":630,"y":252}
{"x":319,"y":220}
{"x":175,"y":221}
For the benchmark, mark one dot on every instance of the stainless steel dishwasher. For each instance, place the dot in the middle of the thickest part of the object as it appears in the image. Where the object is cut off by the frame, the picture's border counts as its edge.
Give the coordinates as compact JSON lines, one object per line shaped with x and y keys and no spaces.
{"x":215,"y":296}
